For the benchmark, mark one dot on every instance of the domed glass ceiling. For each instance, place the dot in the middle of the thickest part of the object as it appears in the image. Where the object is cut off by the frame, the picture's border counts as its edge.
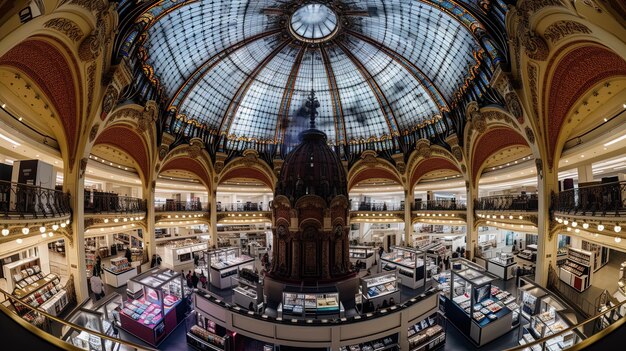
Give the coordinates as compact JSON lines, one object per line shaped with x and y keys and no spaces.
{"x":382,"y":67}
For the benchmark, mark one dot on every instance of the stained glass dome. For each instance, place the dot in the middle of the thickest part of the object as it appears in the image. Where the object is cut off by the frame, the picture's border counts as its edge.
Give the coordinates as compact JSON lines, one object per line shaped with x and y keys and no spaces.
{"x":380,"y":68}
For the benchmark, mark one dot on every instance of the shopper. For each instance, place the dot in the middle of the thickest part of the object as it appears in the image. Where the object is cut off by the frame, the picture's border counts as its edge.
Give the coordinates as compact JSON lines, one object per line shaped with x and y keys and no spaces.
{"x":97,"y":286}
{"x":194,"y":280}
{"x":203,"y":280}
{"x":385,"y":303}
{"x":381,"y":251}
{"x":189,"y":280}
{"x":128,"y":255}
{"x":98,"y":266}
{"x":153,"y":261}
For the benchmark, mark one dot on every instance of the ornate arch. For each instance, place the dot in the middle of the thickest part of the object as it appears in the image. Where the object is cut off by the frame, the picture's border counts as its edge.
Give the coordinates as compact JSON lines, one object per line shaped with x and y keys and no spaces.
{"x":430,"y":165}
{"x":370,"y":166}
{"x":573,"y":71}
{"x":191,"y":165}
{"x":126,"y":139}
{"x":424,"y":151}
{"x":248,"y":166}
{"x":488,"y":143}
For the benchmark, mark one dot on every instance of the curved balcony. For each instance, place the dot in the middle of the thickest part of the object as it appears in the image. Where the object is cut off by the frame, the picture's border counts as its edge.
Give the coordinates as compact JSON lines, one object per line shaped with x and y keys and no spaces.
{"x":440,"y":205}
{"x":102,"y":202}
{"x":242,"y":207}
{"x":19,"y":201}
{"x":180,"y":206}
{"x":597,"y":200}
{"x":376,"y":206}
{"x":524,"y":203}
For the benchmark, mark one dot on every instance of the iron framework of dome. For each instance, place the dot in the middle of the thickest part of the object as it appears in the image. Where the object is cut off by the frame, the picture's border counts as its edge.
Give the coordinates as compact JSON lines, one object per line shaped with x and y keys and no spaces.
{"x":242,"y":70}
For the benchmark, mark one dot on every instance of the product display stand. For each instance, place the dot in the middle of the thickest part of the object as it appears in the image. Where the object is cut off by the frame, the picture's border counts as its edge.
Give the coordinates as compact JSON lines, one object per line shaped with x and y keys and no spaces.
{"x":389,"y":342}
{"x":205,"y":335}
{"x":365,"y":254}
{"x":428,"y":333}
{"x":503,"y":265}
{"x":119,"y":273}
{"x":310,"y":302}
{"x":224,"y":264}
{"x":471,"y":306}
{"x":249,"y":291}
{"x":380,"y":287}
{"x":410,"y":264}
{"x":577,"y":270}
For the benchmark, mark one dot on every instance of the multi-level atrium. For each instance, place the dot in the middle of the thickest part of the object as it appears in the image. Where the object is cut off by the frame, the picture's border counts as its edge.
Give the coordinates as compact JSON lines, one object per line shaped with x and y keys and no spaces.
{"x":312,"y":175}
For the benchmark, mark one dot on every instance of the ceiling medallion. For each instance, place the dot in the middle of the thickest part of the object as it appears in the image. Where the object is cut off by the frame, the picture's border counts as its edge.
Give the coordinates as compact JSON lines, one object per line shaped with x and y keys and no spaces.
{"x":314,"y":23}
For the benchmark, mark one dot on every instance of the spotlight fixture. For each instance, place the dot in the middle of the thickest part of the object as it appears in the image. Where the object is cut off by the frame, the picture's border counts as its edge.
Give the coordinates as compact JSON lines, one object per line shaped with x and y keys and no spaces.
{"x":67,"y":221}
{"x":574,"y":224}
{"x":510,"y":217}
{"x":585,"y":225}
{"x":618,"y":239}
{"x":106,"y":220}
{"x":600,"y":227}
{"x":5,"y":231}
{"x":42,"y":229}
{"x":116,"y":220}
{"x":577,"y":230}
{"x":521,"y":217}
{"x":569,"y":229}
{"x":55,"y":227}
{"x":51,"y":234}
{"x":43,"y":235}
{"x":25,"y":230}
{"x":19,"y":241}
{"x":566,"y":222}
{"x":617,"y":228}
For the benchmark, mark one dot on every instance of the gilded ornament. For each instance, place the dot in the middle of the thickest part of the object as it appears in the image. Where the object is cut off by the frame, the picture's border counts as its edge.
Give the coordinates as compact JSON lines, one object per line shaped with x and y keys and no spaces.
{"x":561,"y":29}
{"x":65,"y":26}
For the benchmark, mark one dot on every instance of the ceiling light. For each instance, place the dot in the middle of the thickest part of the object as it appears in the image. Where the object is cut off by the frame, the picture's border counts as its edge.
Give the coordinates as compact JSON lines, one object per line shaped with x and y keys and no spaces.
{"x":106,"y":220}
{"x":585,"y":225}
{"x":617,"y":228}
{"x":43,"y":235}
{"x":51,"y":234}
{"x":67,"y":221}
{"x":63,"y":225}
{"x":616,"y":140}
{"x":618,"y":239}
{"x":574,"y":224}
{"x":577,"y":230}
{"x":25,"y":230}
{"x":19,"y":241}
{"x":42,"y":229}
{"x":600,"y":227}
{"x":5,"y":231}
{"x":11,"y":141}
{"x":569,"y":229}
{"x":566,"y":222}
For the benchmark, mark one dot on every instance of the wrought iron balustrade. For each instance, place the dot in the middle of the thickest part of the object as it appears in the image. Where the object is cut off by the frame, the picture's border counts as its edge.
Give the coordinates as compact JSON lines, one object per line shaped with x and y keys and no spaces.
{"x":602,"y":199}
{"x":508,"y":203}
{"x":376,"y":206}
{"x":440,"y":205}
{"x":179,"y":206}
{"x":30,"y":200}
{"x":102,"y":202}
{"x":242,"y":207}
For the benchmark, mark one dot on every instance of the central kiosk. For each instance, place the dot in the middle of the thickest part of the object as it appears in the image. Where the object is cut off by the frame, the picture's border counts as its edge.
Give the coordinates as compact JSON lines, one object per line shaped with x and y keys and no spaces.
{"x":311,"y":255}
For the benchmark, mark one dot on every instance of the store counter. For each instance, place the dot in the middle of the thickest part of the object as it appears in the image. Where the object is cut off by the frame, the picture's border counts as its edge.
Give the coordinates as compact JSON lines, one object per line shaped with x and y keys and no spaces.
{"x":117,"y":279}
{"x":503,"y":268}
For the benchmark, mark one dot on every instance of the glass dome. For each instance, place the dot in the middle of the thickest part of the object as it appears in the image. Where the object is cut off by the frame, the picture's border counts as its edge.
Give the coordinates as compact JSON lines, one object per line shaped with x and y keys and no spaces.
{"x":380,"y":68}
{"x":314,"y":22}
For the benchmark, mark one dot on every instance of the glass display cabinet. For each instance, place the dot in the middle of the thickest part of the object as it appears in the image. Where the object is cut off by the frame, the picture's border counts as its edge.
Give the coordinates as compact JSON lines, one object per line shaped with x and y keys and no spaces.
{"x":428,"y":333}
{"x":224,"y":264}
{"x":155,"y":314}
{"x":364,"y":254}
{"x":577,"y":270}
{"x":389,"y":342}
{"x":411,"y":265}
{"x":311,"y":302}
{"x":380,"y":287}
{"x":503,"y":265}
{"x":472,"y":306}
{"x":119,"y":272}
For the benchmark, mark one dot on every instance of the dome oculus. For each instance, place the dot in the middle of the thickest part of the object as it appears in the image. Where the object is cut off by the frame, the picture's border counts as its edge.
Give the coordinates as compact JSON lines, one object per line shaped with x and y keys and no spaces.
{"x":314,"y":22}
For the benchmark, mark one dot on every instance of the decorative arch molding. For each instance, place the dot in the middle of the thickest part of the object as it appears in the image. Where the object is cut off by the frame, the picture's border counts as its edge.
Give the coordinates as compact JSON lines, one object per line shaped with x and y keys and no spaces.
{"x":247,"y":166}
{"x":127,"y":140}
{"x":573,"y":70}
{"x":51,"y":66}
{"x":490,"y":142}
{"x":191,"y":165}
{"x":425,"y":151}
{"x":430,"y":165}
{"x":370,"y":166}
{"x":142,"y":118}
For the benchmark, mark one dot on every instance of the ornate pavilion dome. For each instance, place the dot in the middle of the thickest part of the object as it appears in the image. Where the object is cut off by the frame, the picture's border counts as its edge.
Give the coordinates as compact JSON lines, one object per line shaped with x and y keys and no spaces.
{"x":381,"y":69}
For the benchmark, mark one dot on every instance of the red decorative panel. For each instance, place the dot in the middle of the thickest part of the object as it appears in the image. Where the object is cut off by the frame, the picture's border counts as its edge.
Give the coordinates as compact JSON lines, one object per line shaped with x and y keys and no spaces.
{"x":491,"y":142}
{"x":189,"y":165}
{"x":44,"y":64}
{"x":127,"y":141}
{"x":371,"y":173}
{"x":576,"y":73}
{"x":430,"y":165}
{"x":249,"y":173}
{"x":310,"y":212}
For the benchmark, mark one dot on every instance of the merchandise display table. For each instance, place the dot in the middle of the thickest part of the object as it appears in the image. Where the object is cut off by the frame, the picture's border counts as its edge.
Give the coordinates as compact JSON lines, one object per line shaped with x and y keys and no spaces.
{"x":117,"y":279}
{"x":502,"y":266}
{"x":226,"y":263}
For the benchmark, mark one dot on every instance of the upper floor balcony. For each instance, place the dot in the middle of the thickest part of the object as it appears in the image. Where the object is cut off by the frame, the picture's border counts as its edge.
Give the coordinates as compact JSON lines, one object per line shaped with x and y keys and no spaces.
{"x":180,"y":206}
{"x":601,"y":200}
{"x":440,"y":205}
{"x":23,"y":201}
{"x":242,"y":207}
{"x":522,"y":202}
{"x":376,"y":206}
{"x":97,"y":202}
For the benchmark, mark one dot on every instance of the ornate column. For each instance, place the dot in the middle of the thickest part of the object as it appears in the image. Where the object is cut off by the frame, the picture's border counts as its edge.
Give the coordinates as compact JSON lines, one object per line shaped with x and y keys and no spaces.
{"x":213,"y":218}
{"x":409,"y":197}
{"x":74,"y":183}
{"x":547,"y":182}
{"x":326,"y":257}
{"x":148,"y":236}
{"x":295,"y":259}
{"x":471,"y":239}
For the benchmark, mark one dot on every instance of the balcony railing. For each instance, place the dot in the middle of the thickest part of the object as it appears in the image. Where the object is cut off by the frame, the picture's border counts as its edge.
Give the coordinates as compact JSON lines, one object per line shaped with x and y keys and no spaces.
{"x":242,"y":207}
{"x":440,"y":205}
{"x":179,"y":206}
{"x":602,"y":199}
{"x":101,"y":202}
{"x":508,"y":203}
{"x":29,"y":200}
{"x":376,"y":206}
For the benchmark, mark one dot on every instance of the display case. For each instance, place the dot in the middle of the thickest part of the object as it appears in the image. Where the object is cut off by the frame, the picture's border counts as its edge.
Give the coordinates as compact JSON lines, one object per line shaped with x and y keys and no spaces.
{"x":310,"y":302}
{"x":527,"y":255}
{"x":249,"y":290}
{"x":100,"y":316}
{"x":550,"y":320}
{"x":389,"y":342}
{"x":179,"y":254}
{"x":119,"y":272}
{"x":156,"y":314}
{"x":577,"y":270}
{"x":410,"y":263}
{"x":224,"y":264}
{"x":428,"y":334}
{"x":600,"y":254}
{"x":205,"y":335}
{"x":472,"y":308}
{"x":364,"y":254}
{"x":380,"y":287}
{"x":503,"y":265}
